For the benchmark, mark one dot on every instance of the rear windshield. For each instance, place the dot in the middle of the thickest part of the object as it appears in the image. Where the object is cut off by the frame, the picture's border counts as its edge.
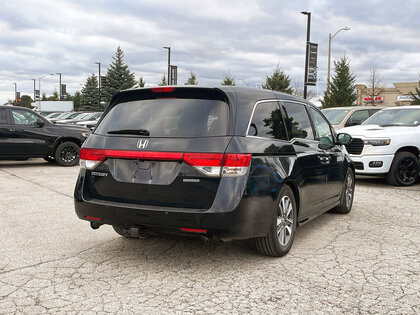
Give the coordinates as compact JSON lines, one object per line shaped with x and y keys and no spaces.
{"x":167,"y":118}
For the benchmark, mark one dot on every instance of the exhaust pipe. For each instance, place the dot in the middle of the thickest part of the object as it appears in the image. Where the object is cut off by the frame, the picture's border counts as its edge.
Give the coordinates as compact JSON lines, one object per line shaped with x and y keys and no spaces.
{"x":95,"y":225}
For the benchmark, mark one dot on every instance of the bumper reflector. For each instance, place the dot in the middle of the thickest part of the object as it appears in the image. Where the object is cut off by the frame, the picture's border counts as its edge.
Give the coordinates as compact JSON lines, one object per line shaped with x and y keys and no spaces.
{"x":92,"y":218}
{"x":193,"y":230}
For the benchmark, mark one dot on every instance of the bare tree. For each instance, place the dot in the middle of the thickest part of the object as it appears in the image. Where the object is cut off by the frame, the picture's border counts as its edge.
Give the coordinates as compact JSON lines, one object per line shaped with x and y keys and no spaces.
{"x":297,"y":90}
{"x":375,"y":85}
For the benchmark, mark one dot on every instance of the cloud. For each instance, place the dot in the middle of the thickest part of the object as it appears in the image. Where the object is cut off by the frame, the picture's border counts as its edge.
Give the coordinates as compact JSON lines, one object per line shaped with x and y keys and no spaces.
{"x":247,"y":38}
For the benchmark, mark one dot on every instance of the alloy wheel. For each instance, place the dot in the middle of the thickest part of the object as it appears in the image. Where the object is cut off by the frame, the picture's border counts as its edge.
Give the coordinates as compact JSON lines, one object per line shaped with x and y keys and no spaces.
{"x":407,"y":170}
{"x":349,"y":190}
{"x":285,"y":220}
{"x":68,"y":154}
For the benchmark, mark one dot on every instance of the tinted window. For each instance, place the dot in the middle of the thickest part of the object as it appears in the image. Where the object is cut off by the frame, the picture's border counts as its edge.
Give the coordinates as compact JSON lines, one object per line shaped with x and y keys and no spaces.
{"x":267,"y":122}
{"x":321,"y":126}
{"x":297,"y":121}
{"x":358,"y":117}
{"x":3,"y":116}
{"x":22,"y":117}
{"x":168,"y":118}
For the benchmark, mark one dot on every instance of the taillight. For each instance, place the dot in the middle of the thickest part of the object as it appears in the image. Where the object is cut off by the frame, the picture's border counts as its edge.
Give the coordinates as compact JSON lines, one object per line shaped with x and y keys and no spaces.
{"x":210,"y":164}
{"x":90,"y":158}
{"x":216,"y":164}
{"x":235,"y":164}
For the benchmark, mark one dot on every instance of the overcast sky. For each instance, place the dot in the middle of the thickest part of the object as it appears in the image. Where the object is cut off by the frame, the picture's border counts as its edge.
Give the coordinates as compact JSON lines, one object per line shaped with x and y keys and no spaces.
{"x":210,"y":38}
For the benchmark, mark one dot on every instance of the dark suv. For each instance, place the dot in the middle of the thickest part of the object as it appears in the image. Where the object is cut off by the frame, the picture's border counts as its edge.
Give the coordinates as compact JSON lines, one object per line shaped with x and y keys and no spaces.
{"x":225,"y":162}
{"x":25,"y":134}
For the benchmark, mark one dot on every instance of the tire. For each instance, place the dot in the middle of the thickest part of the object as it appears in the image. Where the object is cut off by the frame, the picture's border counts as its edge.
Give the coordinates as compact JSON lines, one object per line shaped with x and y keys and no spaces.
{"x":121,"y":231}
{"x":49,"y":159}
{"x":347,"y":195}
{"x":404,"y":169}
{"x":67,"y":154}
{"x":279,"y":239}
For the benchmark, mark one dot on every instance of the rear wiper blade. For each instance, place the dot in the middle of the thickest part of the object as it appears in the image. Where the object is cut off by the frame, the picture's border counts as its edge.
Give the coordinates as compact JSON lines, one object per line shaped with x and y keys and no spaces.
{"x":142,"y":132}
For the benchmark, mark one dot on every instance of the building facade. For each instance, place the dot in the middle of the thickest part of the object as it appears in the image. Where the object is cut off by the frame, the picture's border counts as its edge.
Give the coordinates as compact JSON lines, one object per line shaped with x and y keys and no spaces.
{"x":399,"y":95}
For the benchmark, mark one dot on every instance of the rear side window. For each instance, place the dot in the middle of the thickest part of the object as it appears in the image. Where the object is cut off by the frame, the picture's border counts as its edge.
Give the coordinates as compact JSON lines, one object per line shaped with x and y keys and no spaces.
{"x":297,"y":121}
{"x":358,"y":117}
{"x":167,"y":118}
{"x":267,"y":122}
{"x":3,"y":116}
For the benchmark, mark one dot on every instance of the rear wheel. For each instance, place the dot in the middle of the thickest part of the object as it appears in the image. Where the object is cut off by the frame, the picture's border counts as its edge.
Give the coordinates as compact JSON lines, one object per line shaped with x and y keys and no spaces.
{"x":279,"y":239}
{"x":404,"y":170}
{"x":67,"y":154}
{"x":346,"y":201}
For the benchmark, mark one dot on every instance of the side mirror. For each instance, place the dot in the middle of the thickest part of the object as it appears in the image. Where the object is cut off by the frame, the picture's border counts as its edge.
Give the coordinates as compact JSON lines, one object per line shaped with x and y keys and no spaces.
{"x":343,"y":138}
{"x":39,"y":123}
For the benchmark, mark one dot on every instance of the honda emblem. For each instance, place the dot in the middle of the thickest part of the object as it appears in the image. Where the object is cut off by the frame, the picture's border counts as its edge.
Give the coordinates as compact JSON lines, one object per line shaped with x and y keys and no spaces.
{"x":142,"y":143}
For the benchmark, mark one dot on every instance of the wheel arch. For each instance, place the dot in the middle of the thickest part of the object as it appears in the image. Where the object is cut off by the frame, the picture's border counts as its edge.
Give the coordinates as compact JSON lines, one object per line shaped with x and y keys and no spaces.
{"x":65,"y":139}
{"x":411,"y":149}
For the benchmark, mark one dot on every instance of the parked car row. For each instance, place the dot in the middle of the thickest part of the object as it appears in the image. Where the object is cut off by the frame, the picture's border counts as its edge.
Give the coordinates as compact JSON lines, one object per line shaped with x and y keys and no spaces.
{"x":386,"y":142}
{"x":85,"y":119}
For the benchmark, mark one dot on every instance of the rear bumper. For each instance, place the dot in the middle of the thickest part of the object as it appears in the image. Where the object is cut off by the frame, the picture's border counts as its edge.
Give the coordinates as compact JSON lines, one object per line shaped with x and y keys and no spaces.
{"x":233,"y":215}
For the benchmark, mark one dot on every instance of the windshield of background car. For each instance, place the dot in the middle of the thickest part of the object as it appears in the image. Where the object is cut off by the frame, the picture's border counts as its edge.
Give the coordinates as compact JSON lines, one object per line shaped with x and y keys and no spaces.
{"x":395,"y":117}
{"x":335,"y":116}
{"x":168,"y":118}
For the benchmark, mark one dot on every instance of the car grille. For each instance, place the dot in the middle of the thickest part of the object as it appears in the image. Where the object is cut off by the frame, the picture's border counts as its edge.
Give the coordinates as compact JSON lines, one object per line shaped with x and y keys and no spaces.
{"x":359,"y":165}
{"x":355,"y":146}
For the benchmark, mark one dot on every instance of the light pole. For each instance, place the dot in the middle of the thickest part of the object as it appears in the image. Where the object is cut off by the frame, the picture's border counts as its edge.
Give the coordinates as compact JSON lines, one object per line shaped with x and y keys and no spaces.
{"x":169,"y":60}
{"x":39,"y":85}
{"x":34,"y":89}
{"x":99,"y":84}
{"x":59,"y":86}
{"x":308,"y":38}
{"x":329,"y":51}
{"x":15,"y":91}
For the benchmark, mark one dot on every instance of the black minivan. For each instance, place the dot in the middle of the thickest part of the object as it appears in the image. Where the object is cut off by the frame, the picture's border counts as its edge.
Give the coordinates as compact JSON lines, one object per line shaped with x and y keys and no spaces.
{"x":224,"y":162}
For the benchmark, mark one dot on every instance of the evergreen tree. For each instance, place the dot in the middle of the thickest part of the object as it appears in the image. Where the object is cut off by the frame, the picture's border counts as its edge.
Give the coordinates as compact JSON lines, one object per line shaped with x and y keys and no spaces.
{"x":163,"y":81}
{"x":341,"y":91}
{"x":279,"y":81}
{"x":53,"y":97}
{"x":228,"y":80}
{"x":89,"y":96}
{"x":77,"y":100}
{"x":118,"y":76}
{"x":192,"y":80}
{"x":25,"y":101}
{"x":416,"y":96}
{"x":141,"y":82}
{"x":44,"y":97}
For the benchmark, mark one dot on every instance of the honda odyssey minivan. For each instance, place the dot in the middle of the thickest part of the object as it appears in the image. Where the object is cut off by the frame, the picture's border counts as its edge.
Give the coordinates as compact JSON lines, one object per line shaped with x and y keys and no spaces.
{"x":223,"y":162}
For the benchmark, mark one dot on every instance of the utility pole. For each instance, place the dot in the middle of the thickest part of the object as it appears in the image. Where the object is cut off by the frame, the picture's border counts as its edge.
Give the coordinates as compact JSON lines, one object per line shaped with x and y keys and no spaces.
{"x":169,"y":62}
{"x":99,"y":85}
{"x":308,"y":35}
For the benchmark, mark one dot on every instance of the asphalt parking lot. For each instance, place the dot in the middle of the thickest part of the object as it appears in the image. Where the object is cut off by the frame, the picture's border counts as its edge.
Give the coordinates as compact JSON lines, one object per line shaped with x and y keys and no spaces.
{"x":50,"y":261}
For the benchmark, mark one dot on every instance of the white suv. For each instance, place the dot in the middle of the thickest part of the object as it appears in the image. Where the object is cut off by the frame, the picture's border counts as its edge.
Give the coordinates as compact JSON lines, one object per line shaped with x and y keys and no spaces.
{"x":388,"y":143}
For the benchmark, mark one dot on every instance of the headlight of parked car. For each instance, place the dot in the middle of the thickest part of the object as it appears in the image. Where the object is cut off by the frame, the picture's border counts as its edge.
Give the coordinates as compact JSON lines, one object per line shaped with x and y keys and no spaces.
{"x":378,"y":142}
{"x":85,"y":134}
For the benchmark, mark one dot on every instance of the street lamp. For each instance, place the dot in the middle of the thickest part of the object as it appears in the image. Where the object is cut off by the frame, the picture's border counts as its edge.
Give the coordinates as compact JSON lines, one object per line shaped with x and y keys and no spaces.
{"x":308,"y":34}
{"x":15,"y":91}
{"x":99,"y":85}
{"x":34,"y":89}
{"x":169,"y":60}
{"x":39,"y":84}
{"x":59,"y":86}
{"x":329,"y":51}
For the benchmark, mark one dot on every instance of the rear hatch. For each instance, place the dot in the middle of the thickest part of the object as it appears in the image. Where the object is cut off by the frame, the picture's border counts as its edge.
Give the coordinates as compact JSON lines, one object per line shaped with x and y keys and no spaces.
{"x":160,"y":147}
